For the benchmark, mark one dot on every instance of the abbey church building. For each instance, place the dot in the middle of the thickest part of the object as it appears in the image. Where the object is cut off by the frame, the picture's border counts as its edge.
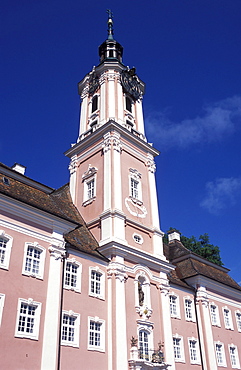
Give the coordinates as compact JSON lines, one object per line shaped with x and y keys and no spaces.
{"x":86,"y":281}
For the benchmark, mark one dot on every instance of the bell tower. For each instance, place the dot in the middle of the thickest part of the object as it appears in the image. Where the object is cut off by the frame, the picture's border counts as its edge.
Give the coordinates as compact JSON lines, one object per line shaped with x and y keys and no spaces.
{"x":112,"y":169}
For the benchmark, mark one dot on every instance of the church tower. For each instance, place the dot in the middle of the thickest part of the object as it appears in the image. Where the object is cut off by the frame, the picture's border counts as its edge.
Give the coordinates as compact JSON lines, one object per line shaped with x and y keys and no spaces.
{"x":112,"y":165}
{"x":112,"y":183}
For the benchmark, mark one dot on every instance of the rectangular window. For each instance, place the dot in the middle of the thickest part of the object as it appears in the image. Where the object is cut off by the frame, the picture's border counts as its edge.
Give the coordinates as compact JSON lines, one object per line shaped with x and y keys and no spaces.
{"x":238,"y":320}
{"x":96,"y":336}
{"x":213,"y":312}
{"x":26,"y":318}
{"x":5,"y":249}
{"x":70,"y":329}
{"x":73,"y":275}
{"x":177,"y":348}
{"x":96,"y":287}
{"x":194,"y":351}
{"x":134,"y":188}
{"x":234,"y":357}
{"x":32,"y":260}
{"x":33,"y":264}
{"x":188,"y":309}
{"x":90,"y":189}
{"x":227,"y":318}
{"x":221,"y":361}
{"x":144,"y":345}
{"x":95,"y":282}
{"x":173,"y":305}
{"x":27,"y":325}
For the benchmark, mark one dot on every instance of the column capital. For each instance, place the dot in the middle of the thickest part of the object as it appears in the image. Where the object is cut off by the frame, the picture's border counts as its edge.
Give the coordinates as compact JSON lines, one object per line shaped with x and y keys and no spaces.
{"x":118,"y":271}
{"x":202,"y":296}
{"x":57,"y":251}
{"x":164,"y":287}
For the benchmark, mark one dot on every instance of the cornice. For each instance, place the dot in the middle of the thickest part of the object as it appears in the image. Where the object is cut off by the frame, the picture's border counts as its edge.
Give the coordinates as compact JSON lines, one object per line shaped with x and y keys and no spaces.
{"x":97,"y":136}
{"x":35,"y":215}
{"x":136,"y":255}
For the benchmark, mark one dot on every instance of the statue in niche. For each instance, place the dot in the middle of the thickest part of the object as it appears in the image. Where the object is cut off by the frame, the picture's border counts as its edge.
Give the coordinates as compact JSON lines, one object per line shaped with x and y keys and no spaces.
{"x":140,"y":294}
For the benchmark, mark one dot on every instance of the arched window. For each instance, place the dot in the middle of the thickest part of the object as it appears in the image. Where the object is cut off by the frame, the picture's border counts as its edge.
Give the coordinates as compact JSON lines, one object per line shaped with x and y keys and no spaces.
{"x":128,"y":104}
{"x":94,"y":103}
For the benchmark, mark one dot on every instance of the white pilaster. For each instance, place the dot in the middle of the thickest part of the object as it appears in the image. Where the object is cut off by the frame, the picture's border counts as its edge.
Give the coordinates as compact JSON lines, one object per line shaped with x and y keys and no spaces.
{"x":84,"y":114}
{"x":102,"y":99}
{"x":117,"y":188}
{"x":153,"y":194}
{"x":120,"y":319}
{"x":52,"y":313}
{"x":120,"y":104}
{"x":107,"y":173}
{"x":200,"y":330}
{"x":202,"y":300}
{"x":139,"y":117}
{"x":111,"y":94}
{"x":110,"y":318}
{"x":72,"y":180}
{"x":166,"y":322}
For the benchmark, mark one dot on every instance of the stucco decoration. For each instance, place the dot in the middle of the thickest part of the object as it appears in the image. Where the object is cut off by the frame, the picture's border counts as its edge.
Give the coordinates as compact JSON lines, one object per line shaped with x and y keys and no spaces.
{"x":135,"y":209}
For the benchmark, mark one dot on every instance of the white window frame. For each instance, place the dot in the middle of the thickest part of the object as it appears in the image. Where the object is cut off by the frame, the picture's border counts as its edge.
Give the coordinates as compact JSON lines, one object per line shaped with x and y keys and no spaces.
{"x":137,"y":238}
{"x":101,"y":323}
{"x":97,"y":270}
{"x":9,"y":243}
{"x":189,"y":311}
{"x":90,"y":176}
{"x":238,"y":319}
{"x":146,"y":327}
{"x":37,"y":312}
{"x":222,"y":352}
{"x":78,"y":274}
{"x":176,"y":297}
{"x":2,"y":300}
{"x":76,"y":327}
{"x":42,"y":250}
{"x":198,"y":359}
{"x":179,"y":338}
{"x":214,"y":314}
{"x":227,"y":317}
{"x":135,"y":177}
{"x":234,"y":356}
{"x":144,"y":345}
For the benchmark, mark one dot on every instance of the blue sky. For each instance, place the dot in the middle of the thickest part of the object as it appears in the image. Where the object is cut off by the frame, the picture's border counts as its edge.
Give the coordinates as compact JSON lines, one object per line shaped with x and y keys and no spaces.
{"x":188,"y":54}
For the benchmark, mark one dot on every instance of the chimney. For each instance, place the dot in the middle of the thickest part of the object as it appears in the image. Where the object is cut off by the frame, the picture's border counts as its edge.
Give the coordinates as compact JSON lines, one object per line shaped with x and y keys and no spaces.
{"x":19,"y":168}
{"x":173,"y":235}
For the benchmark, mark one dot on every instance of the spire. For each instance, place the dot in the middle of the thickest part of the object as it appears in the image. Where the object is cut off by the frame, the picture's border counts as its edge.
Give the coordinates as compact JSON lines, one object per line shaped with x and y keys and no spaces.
{"x":110,"y":24}
{"x":110,"y":48}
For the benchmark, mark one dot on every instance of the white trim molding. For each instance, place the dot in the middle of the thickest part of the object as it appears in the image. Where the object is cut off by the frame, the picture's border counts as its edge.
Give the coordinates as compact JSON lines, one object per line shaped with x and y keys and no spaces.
{"x":96,"y":282}
{"x":220,"y":354}
{"x":70,"y":329}
{"x":28,"y":319}
{"x":6,"y":242}
{"x":96,"y":334}
{"x":178,"y":348}
{"x":72,"y":275}
{"x":33,"y":260}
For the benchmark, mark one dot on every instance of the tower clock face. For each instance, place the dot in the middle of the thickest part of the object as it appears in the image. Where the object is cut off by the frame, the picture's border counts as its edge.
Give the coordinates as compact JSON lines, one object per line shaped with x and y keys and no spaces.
{"x":131,"y":84}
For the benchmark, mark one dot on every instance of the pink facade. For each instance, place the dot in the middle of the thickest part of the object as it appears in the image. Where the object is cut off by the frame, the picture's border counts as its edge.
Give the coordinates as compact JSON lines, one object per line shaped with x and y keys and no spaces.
{"x":86,"y":281}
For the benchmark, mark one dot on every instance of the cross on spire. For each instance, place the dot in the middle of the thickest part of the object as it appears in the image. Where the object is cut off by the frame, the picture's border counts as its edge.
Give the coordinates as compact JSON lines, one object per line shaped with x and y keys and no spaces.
{"x":110,"y":24}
